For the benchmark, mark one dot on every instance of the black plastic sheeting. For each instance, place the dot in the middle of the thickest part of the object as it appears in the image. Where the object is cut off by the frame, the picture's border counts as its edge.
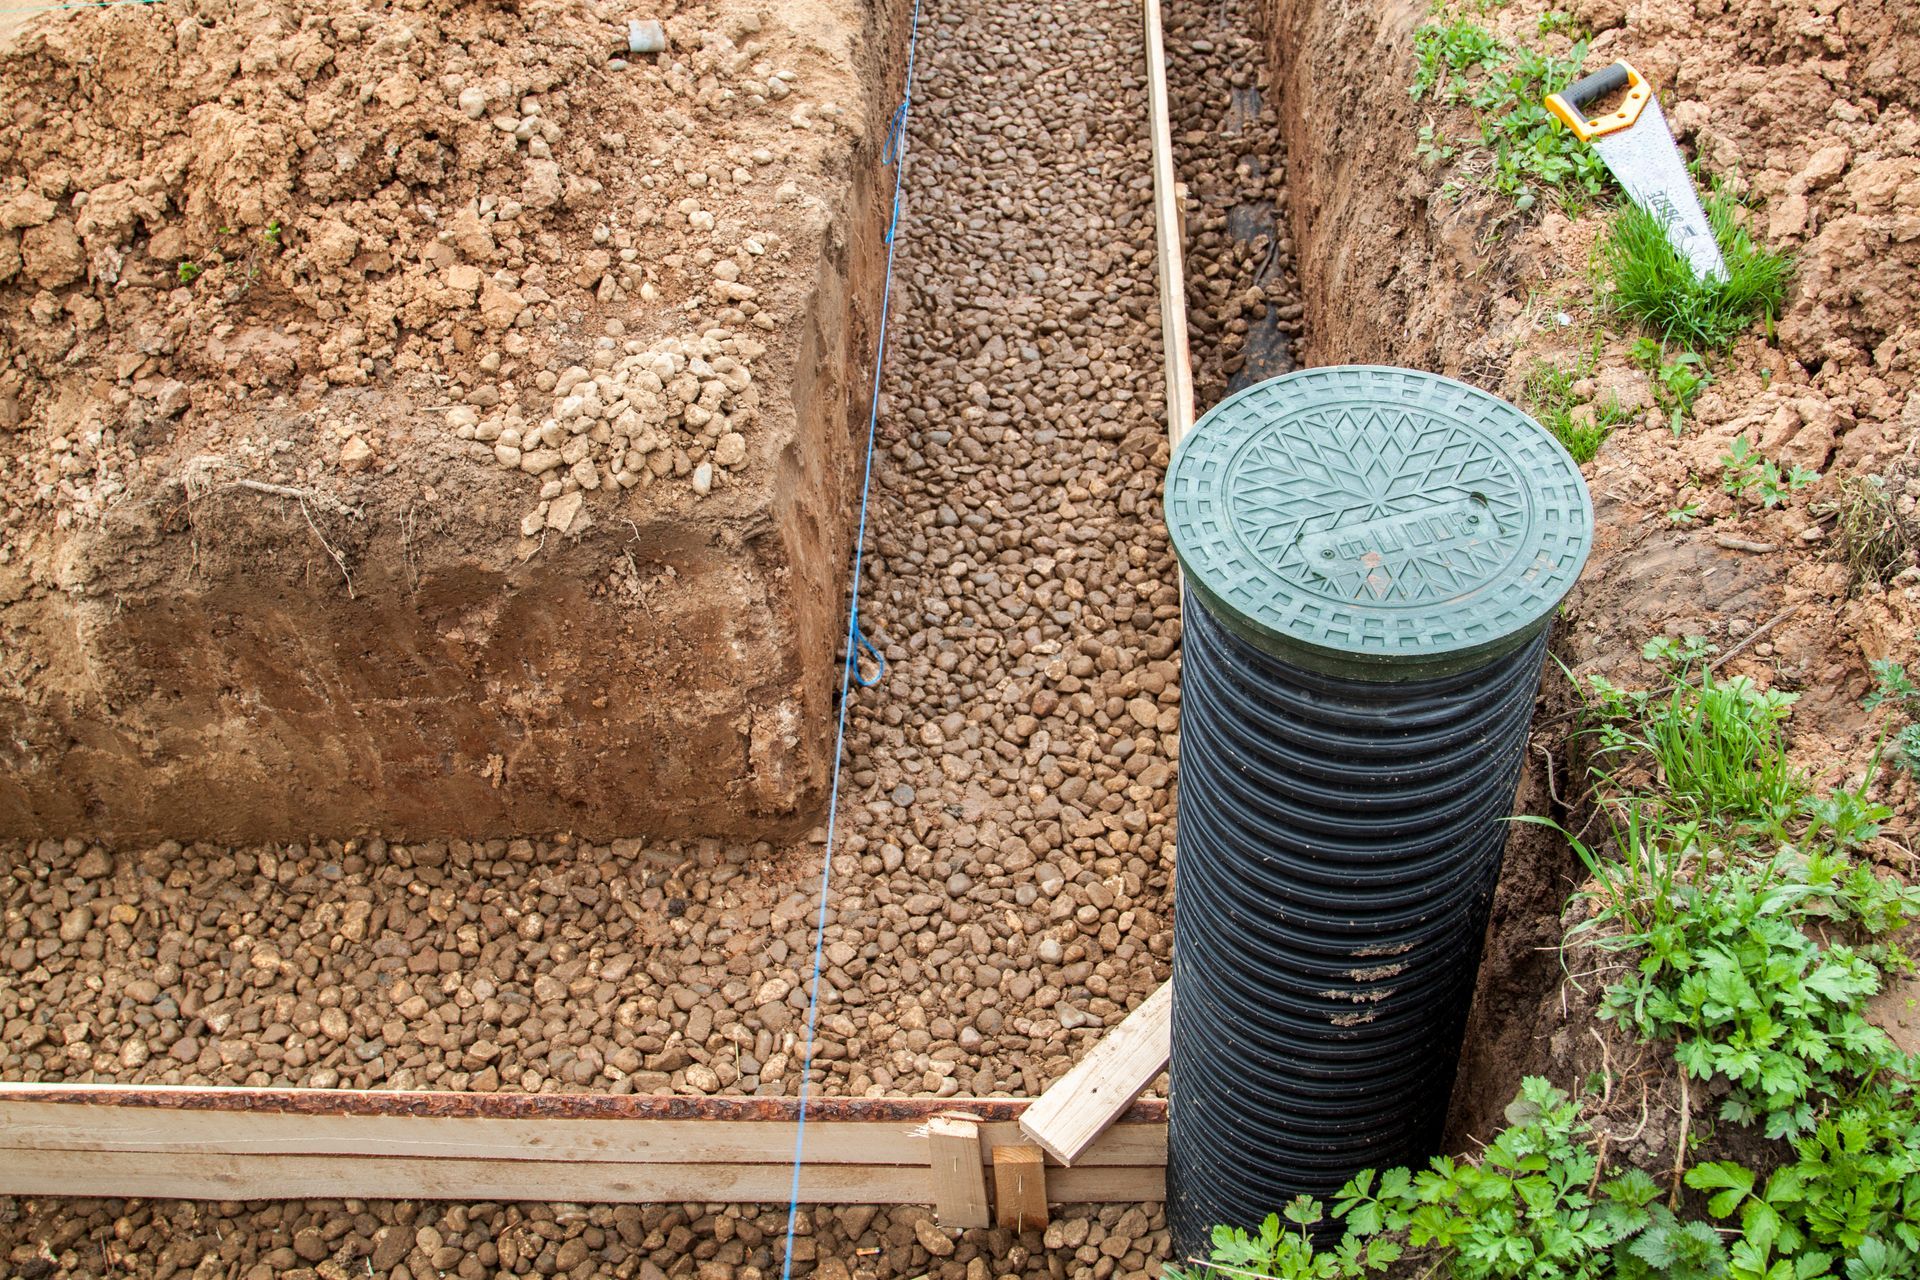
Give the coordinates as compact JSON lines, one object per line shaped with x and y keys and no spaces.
{"x":1339,"y":844}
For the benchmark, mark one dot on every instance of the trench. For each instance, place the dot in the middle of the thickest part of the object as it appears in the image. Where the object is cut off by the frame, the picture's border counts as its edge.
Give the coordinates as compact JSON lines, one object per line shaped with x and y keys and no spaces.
{"x":1002,"y":880}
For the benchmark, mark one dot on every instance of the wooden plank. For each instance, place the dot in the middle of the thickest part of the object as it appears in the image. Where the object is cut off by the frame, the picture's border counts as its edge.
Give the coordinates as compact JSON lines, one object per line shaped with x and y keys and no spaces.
{"x":1020,"y":1188}
{"x":1123,"y":1144}
{"x":277,"y":1177}
{"x":106,"y":1128}
{"x":1067,"y":1118}
{"x":525,"y":1106}
{"x":240,"y":1143}
{"x":1167,"y":231}
{"x":67,"y":1126}
{"x":958,"y":1176}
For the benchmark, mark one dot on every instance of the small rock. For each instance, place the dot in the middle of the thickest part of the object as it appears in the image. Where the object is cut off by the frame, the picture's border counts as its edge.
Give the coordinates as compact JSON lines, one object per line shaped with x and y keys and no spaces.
{"x":933,"y":1239}
{"x":355,"y":454}
{"x":646,"y":36}
{"x":561,"y":513}
{"x":76,"y":924}
{"x":473,"y":101}
{"x":703,"y":478}
{"x":310,"y":1244}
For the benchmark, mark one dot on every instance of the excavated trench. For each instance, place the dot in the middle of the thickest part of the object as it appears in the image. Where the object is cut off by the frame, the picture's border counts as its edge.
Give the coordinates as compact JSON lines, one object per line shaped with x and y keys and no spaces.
{"x":1002,"y":878}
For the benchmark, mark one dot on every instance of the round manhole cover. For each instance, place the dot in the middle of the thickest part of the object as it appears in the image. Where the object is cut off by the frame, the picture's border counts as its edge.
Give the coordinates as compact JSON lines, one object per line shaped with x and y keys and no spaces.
{"x":1377,"y":522}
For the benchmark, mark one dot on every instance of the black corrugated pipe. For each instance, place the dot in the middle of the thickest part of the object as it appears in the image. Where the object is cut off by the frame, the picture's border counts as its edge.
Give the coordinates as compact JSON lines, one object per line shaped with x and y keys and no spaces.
{"x":1373,"y":557}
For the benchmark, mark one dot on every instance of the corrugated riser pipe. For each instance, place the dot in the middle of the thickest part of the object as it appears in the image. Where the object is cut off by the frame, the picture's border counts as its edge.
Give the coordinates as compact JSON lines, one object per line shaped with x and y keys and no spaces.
{"x":1373,"y":557}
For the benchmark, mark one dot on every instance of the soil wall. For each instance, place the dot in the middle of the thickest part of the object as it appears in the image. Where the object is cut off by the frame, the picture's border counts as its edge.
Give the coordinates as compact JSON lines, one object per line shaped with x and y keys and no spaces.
{"x":1811,"y":119}
{"x":276,"y":568}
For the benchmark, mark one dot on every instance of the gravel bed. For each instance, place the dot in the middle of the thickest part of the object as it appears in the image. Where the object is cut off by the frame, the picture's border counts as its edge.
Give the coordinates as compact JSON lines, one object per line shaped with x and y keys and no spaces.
{"x":1002,"y":877}
{"x":1243,"y":297}
{"x":1000,"y":891}
{"x":409,"y":1240}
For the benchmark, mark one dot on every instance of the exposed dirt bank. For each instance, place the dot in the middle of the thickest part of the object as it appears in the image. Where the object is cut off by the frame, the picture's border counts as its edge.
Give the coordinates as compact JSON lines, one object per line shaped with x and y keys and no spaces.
{"x":1812,"y":117}
{"x":431,"y":420}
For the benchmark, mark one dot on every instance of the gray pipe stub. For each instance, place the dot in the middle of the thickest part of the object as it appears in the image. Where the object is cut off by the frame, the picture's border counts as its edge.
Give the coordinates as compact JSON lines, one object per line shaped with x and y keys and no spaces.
{"x":1377,"y":523}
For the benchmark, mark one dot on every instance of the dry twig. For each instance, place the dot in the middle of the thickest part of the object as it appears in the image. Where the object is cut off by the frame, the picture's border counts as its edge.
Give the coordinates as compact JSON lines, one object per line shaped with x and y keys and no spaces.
{"x":1680,"y":1144}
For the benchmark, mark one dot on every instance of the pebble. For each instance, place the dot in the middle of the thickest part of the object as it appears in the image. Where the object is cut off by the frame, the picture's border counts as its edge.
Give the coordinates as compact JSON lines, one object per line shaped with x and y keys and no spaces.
{"x":76,"y":924}
{"x":646,"y":36}
{"x":631,"y":420}
{"x":335,"y":1239}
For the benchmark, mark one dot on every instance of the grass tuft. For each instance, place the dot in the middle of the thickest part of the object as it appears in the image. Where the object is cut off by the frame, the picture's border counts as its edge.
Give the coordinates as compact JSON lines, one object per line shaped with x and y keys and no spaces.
{"x":1657,"y":287}
{"x":1549,"y":391}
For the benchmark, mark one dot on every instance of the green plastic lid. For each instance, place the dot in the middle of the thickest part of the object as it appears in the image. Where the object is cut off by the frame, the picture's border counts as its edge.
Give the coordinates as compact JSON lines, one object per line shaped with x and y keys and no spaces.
{"x":1375,"y":522}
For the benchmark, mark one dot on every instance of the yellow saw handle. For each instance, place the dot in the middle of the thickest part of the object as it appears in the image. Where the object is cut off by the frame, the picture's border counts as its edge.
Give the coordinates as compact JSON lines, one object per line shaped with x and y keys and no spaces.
{"x":1567,"y":104}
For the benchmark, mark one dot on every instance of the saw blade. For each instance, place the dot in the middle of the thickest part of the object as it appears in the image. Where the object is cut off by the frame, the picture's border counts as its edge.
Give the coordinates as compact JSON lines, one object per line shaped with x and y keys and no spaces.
{"x":1646,"y":162}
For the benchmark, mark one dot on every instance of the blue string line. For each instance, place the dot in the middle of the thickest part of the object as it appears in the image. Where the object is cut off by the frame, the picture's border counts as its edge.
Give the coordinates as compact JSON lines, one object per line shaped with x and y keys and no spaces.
{"x":894,"y":152}
{"x":879,"y":659}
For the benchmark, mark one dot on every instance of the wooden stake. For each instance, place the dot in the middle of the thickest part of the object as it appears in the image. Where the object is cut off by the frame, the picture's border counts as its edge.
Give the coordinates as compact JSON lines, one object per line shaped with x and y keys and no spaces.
{"x":1020,"y":1188}
{"x":959,"y":1172}
{"x":1167,"y":231}
{"x":1077,"y":1109}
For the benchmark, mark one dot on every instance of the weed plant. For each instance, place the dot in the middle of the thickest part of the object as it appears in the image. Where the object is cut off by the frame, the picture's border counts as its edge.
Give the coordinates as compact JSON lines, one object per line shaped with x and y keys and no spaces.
{"x":1745,"y":474}
{"x":1896,"y":691}
{"x":1524,"y":151}
{"x":1757,"y":940}
{"x":1677,"y":383}
{"x":1871,"y":536}
{"x":1654,"y":285}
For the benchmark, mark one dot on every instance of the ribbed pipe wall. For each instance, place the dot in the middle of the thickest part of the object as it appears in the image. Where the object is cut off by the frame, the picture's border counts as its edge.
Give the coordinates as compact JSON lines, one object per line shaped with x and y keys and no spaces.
{"x":1339,"y":844}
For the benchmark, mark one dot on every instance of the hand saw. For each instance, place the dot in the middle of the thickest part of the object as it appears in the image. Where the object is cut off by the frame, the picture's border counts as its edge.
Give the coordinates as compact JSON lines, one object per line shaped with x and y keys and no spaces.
{"x":1637,"y":146}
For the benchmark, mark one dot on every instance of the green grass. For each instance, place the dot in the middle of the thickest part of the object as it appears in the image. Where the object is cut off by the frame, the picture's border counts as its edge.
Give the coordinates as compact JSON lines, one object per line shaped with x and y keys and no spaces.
{"x":1655,"y":286}
{"x":1715,"y":749}
{"x":1549,"y":392}
{"x":1524,"y":152}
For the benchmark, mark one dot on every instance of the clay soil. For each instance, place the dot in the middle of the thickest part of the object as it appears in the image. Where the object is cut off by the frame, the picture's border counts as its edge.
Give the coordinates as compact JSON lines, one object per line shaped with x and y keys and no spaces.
{"x":429,"y":419}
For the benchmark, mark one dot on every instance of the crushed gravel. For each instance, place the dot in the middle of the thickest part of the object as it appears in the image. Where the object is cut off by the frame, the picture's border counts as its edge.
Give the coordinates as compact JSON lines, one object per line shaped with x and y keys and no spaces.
{"x":409,"y":1240}
{"x":1001,"y":894}
{"x":1002,"y":881}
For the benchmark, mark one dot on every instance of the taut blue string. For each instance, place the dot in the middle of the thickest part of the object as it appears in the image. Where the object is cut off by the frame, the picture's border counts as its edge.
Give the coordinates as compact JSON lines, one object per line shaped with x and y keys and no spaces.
{"x":893,"y":151}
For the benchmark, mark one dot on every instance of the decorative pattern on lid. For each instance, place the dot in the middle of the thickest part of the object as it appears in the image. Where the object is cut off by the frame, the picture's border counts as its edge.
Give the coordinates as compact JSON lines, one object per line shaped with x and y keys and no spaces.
{"x":1360,"y":517}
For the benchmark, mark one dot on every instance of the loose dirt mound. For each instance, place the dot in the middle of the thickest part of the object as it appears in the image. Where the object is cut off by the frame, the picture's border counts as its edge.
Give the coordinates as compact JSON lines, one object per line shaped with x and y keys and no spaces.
{"x":362,"y":367}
